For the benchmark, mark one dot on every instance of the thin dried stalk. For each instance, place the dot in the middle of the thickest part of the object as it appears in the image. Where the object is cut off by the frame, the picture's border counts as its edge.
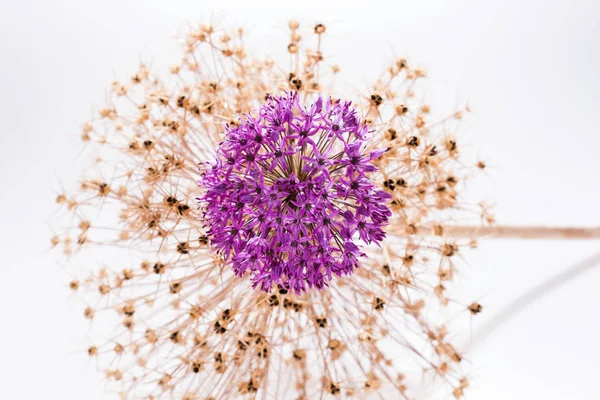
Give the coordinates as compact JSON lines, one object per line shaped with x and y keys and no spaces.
{"x":512,"y":232}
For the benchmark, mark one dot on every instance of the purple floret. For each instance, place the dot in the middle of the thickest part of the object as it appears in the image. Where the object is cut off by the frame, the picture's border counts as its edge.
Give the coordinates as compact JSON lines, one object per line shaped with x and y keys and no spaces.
{"x":288,"y":198}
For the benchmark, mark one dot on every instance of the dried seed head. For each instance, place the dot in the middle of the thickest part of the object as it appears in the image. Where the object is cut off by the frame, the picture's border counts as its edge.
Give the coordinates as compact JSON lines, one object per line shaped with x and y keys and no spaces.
{"x":196,"y":316}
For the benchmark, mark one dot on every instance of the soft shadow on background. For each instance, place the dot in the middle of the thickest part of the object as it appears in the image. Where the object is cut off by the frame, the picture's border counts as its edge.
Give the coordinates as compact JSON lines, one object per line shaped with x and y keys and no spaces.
{"x":527,"y":69}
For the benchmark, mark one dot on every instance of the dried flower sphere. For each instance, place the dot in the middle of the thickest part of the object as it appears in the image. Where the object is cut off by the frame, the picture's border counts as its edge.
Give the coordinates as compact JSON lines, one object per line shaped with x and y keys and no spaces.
{"x":171,"y":319}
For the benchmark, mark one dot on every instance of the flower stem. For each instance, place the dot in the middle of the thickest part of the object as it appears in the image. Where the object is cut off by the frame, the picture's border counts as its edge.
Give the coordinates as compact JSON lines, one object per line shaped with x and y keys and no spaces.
{"x":514,"y":232}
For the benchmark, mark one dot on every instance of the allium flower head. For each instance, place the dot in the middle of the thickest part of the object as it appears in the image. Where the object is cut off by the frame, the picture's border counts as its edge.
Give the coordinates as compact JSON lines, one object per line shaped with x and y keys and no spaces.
{"x":289,"y":195}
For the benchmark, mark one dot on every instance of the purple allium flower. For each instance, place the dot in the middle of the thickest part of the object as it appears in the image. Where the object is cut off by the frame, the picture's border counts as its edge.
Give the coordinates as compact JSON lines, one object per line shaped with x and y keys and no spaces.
{"x":289,"y":197}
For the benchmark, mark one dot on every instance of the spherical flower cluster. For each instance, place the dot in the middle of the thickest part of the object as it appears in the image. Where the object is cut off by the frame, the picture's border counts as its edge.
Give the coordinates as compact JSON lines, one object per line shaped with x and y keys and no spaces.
{"x":289,"y":196}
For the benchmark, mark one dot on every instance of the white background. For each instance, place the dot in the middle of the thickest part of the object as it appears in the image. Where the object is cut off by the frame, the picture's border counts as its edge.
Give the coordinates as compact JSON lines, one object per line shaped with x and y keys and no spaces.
{"x":527,"y":68}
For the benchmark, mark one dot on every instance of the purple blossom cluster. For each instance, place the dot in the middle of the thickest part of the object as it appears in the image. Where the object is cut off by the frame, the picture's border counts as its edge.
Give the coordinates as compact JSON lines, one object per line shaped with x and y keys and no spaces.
{"x":288,"y":197}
